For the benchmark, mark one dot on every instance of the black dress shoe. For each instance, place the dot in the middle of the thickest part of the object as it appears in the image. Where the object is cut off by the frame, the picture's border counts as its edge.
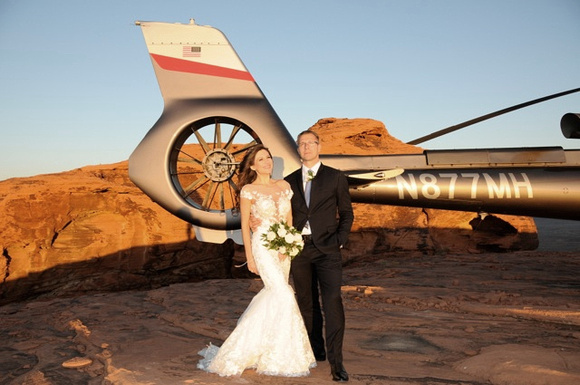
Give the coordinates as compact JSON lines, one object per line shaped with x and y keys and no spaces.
{"x":338,"y":373}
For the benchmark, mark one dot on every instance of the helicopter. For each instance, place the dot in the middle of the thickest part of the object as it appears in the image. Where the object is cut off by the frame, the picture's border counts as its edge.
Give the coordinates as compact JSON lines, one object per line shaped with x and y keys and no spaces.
{"x":214,"y":112}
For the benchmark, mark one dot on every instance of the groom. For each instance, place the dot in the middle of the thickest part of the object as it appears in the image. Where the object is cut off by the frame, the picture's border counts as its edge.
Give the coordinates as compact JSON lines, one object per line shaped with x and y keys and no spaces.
{"x":322,"y":210}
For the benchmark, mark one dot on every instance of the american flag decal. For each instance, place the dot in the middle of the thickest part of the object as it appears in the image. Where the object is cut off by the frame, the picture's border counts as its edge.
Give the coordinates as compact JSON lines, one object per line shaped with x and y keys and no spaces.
{"x":189,"y":51}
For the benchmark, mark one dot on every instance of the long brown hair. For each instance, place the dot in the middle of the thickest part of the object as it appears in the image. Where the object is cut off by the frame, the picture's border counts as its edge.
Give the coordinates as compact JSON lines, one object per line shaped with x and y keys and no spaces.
{"x":246,"y":174}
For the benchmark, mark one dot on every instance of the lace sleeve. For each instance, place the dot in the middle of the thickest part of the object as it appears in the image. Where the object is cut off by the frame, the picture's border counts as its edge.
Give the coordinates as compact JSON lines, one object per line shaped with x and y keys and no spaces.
{"x":288,"y":193}
{"x":246,"y":193}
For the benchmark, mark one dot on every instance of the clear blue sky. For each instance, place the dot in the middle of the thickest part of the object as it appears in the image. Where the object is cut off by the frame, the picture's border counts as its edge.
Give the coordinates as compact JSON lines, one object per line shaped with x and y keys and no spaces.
{"x":77,"y":87}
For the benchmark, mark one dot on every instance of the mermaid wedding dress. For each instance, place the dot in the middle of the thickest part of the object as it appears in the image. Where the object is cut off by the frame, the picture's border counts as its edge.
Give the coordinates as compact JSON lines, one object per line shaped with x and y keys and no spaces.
{"x":270,"y":335}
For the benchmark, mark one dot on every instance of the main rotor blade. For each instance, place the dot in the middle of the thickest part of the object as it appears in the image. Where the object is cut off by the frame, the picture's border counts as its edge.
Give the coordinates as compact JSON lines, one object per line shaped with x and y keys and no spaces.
{"x":459,"y":126}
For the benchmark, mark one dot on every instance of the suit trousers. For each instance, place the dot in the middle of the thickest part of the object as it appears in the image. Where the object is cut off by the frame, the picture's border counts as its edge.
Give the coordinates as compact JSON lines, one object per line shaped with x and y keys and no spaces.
{"x":317,"y":275}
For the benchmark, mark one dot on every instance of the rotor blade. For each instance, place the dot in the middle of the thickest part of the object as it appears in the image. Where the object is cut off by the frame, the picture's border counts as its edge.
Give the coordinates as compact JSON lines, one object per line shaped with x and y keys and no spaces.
{"x":245,"y":148}
{"x":459,"y":126}
{"x":202,"y":141}
{"x":233,"y":186}
{"x":195,"y":185}
{"x":232,"y":135}
{"x":191,"y":159}
{"x":217,"y":137}
{"x":209,"y":195}
{"x":220,"y":192}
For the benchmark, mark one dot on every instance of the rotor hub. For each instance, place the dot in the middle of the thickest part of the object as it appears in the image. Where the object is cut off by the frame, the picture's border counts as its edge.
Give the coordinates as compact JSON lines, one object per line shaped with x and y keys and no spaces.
{"x":219,"y":165}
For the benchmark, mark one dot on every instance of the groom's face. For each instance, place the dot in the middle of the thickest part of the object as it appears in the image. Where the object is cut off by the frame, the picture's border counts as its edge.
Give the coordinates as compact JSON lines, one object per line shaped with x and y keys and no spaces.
{"x":308,"y":148}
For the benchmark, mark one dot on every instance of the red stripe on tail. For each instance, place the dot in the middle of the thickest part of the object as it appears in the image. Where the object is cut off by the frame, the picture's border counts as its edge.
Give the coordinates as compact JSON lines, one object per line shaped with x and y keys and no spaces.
{"x":179,"y":65}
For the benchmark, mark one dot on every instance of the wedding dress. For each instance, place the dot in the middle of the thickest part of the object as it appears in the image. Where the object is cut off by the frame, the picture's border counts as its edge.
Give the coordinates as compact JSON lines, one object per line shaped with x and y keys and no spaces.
{"x":270,"y":336}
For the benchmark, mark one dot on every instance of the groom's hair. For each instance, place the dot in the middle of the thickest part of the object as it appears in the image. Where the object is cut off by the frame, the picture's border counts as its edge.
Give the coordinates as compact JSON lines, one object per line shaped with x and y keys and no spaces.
{"x":307,"y":132}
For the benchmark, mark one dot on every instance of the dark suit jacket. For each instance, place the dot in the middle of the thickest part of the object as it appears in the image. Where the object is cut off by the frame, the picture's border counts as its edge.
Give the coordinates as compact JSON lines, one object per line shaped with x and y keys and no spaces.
{"x":330,"y":213}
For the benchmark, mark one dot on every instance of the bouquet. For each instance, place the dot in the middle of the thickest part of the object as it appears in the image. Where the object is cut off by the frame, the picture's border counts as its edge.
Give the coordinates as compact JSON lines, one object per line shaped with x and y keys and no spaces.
{"x":284,"y":239}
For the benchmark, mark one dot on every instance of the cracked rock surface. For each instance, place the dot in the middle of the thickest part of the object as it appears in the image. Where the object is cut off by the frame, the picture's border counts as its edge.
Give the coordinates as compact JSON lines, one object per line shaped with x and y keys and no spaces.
{"x":460,"y":319}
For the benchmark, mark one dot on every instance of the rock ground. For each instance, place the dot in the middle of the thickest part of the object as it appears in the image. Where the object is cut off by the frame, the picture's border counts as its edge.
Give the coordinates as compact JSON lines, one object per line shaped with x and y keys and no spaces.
{"x":506,"y":318}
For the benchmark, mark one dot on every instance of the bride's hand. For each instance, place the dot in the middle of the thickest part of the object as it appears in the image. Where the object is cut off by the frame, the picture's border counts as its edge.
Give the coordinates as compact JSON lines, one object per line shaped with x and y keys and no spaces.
{"x":252,"y":267}
{"x":282,"y":256}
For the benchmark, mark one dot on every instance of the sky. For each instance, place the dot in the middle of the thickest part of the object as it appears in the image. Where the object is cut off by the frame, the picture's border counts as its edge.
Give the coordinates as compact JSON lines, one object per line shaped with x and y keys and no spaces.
{"x":77,"y":86}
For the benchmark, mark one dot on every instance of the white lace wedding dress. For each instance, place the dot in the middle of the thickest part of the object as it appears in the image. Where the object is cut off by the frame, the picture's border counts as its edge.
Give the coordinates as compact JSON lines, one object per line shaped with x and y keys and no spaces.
{"x":270,"y":335}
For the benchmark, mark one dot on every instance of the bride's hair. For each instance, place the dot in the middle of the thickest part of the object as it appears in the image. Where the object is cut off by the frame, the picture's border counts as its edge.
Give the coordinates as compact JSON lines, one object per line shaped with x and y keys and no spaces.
{"x":246,"y":174}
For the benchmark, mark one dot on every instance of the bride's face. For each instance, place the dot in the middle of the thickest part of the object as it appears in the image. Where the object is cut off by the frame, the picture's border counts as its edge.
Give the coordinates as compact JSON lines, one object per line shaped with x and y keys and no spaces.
{"x":263,"y":163}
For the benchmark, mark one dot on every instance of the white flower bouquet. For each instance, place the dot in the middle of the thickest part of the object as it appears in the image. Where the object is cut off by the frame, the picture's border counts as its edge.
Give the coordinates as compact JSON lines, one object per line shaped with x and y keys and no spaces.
{"x":284,"y":239}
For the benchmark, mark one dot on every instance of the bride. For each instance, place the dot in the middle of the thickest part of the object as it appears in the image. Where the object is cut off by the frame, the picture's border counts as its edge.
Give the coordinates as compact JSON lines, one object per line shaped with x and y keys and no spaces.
{"x":270,"y":336}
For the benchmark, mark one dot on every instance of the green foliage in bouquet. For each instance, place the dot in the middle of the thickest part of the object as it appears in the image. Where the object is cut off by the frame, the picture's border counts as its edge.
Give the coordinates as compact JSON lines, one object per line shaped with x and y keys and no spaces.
{"x":284,"y":239}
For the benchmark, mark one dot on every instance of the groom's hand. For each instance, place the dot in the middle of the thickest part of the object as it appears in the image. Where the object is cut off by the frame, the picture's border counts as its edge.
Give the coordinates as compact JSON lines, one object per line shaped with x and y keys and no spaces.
{"x":254,"y":223}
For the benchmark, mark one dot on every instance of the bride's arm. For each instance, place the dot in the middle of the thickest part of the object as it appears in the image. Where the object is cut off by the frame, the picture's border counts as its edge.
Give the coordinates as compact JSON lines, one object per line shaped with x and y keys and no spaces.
{"x":289,"y":218}
{"x":245,"y":205}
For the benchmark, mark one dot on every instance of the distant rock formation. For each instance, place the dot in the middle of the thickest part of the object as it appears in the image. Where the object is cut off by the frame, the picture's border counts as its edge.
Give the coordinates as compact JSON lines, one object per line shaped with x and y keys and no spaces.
{"x":91,"y":229}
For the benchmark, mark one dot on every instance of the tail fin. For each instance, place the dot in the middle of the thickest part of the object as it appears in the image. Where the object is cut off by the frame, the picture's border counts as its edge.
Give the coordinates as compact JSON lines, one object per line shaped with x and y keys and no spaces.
{"x":214,"y":113}
{"x":179,"y":51}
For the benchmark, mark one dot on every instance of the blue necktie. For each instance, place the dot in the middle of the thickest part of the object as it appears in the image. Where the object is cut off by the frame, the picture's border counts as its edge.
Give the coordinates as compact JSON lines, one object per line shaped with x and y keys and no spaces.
{"x":308,"y":186}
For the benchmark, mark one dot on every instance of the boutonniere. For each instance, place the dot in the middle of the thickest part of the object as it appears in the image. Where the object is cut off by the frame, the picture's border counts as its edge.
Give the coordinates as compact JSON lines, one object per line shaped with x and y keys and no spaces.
{"x":310,"y":176}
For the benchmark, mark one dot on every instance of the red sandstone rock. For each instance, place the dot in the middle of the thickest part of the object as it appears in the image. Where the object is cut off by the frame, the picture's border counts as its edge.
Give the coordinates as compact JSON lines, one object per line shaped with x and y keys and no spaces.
{"x":91,"y":229}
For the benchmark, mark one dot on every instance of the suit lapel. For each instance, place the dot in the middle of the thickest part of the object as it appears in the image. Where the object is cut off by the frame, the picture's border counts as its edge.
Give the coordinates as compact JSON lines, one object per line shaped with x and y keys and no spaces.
{"x":298,"y":185}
